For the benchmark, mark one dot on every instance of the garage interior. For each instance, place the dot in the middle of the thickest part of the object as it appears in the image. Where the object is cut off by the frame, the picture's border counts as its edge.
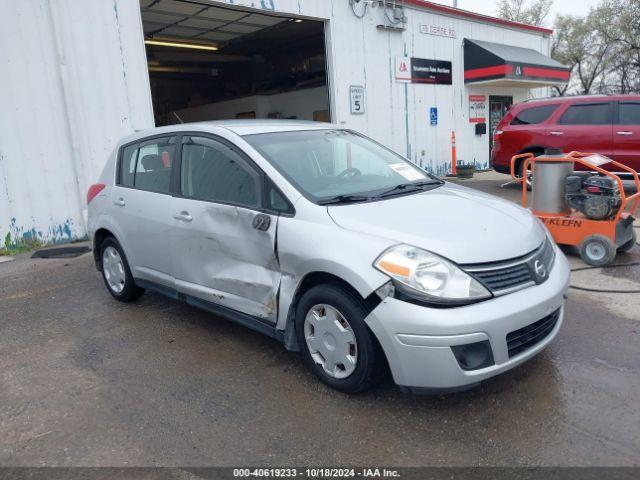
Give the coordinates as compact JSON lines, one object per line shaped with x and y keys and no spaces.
{"x":215,"y":63}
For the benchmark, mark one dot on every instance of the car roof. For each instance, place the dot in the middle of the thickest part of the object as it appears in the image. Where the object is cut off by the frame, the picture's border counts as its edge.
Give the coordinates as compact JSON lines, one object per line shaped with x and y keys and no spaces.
{"x":240,"y":127}
{"x":571,"y":98}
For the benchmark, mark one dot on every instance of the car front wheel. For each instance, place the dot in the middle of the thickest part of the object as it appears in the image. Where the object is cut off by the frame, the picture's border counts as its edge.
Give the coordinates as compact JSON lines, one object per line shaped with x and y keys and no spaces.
{"x":336,"y":343}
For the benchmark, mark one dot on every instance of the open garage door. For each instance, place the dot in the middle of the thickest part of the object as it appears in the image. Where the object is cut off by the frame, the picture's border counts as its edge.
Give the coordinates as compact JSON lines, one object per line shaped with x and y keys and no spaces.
{"x":211,"y":62}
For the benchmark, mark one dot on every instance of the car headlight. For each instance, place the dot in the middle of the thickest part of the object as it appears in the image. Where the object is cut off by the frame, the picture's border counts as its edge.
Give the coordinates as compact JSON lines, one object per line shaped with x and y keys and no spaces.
{"x":427,"y":277}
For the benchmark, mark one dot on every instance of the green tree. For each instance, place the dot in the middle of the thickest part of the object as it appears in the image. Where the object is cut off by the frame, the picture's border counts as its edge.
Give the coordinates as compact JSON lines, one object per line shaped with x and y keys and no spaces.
{"x":578,"y":44}
{"x":520,"y":11}
{"x":618,"y":23}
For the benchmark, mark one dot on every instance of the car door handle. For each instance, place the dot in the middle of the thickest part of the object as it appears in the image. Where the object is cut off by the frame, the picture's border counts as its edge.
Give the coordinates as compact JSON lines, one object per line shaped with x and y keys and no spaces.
{"x":119,"y":202}
{"x":557,"y":134}
{"x":184,"y":216}
{"x":625,"y":133}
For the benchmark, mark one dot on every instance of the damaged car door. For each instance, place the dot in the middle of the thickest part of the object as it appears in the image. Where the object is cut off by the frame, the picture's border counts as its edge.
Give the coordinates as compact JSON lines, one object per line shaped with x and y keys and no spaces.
{"x":222,"y":242}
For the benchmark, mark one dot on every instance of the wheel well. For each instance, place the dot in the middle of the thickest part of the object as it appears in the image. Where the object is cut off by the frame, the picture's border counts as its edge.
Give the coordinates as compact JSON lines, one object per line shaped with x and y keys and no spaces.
{"x":311,"y":280}
{"x":534,"y":150}
{"x":319,"y":278}
{"x":99,"y":237}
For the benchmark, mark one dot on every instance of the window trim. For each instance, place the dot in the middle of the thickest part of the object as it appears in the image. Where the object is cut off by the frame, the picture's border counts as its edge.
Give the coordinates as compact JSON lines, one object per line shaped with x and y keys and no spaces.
{"x":583,"y":104}
{"x":139,"y":142}
{"x":260,"y":175}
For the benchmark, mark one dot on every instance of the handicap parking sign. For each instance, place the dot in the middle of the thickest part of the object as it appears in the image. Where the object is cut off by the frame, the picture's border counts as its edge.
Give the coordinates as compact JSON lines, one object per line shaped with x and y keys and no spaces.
{"x":433,"y":115}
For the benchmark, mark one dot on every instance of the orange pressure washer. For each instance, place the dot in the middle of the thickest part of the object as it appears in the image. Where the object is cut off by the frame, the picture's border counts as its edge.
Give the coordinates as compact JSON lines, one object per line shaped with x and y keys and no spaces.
{"x":588,"y":209}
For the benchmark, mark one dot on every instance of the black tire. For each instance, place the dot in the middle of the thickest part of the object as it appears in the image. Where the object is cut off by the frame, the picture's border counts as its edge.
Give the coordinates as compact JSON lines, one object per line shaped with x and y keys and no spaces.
{"x":630,"y":244}
{"x":130,"y":291}
{"x":598,"y":250}
{"x":370,"y":364}
{"x":520,"y":171}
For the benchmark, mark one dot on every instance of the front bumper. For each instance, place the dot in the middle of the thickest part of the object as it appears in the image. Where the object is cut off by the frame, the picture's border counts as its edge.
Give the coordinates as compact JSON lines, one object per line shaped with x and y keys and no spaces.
{"x":417,"y":340}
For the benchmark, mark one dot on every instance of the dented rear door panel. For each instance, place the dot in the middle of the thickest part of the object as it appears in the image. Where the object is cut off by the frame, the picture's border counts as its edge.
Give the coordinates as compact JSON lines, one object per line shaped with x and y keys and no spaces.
{"x":219,"y":256}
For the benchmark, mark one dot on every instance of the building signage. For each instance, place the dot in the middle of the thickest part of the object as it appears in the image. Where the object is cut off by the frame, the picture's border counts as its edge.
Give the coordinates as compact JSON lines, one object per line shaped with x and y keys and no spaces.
{"x":438,"y":30}
{"x":477,"y":108}
{"x":430,"y":71}
{"x":403,"y":69}
{"x":433,"y":116}
{"x":356,"y":94}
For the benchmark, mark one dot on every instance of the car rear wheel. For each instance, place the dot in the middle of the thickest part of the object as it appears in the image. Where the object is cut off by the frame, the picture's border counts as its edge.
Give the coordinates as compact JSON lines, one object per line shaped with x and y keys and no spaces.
{"x":336,"y":343}
{"x":116,"y":273}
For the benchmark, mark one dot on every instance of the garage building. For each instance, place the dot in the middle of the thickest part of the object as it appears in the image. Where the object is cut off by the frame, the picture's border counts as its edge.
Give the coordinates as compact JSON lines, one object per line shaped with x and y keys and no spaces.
{"x":80,"y":74}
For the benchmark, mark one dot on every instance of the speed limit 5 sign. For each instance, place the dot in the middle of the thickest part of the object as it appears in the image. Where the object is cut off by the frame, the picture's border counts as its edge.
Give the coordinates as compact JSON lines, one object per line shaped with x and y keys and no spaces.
{"x":356,"y":93}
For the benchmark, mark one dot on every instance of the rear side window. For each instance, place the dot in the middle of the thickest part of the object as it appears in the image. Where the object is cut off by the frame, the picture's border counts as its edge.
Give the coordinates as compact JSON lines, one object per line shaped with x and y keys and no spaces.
{"x":533,"y":115}
{"x":629,"y":113}
{"x":587,"y":114}
{"x":212,"y":171}
{"x":147,"y":165}
{"x":128,"y":165}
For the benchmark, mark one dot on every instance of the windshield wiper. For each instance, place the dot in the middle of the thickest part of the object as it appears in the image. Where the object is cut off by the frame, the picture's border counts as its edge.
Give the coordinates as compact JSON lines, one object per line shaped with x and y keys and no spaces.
{"x":343,"y":199}
{"x":408,"y":187}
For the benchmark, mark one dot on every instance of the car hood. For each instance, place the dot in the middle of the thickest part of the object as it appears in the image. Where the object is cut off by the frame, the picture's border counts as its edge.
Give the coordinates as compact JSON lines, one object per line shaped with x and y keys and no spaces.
{"x":461,"y":224}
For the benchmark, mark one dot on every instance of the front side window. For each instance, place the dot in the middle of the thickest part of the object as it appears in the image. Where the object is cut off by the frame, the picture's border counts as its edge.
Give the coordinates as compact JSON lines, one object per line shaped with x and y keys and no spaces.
{"x":587,"y":114}
{"x":147,"y":165}
{"x":533,"y":115}
{"x":629,"y":113}
{"x":214,"y":172}
{"x":329,"y":165}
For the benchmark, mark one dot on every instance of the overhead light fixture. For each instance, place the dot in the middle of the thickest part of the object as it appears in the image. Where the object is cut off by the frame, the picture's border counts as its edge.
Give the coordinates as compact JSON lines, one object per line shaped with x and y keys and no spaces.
{"x":298,"y":20}
{"x":193,"y":46}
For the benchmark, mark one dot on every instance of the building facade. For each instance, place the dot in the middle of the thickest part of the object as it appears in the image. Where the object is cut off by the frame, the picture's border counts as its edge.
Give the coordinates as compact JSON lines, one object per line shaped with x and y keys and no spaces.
{"x":77,"y":76}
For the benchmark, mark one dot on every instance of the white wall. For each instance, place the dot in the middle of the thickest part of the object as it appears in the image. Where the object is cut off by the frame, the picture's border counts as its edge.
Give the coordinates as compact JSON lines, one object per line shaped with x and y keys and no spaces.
{"x":398,"y":114}
{"x":300,"y":104}
{"x":74,"y":80}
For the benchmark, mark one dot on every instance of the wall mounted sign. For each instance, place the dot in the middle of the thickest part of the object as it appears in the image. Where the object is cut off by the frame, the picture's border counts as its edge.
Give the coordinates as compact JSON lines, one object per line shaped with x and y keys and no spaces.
{"x":433,"y":116}
{"x":438,"y":30}
{"x":430,"y":71}
{"x":356,"y":94}
{"x":403,"y":69}
{"x":477,"y":108}
{"x":422,"y":70}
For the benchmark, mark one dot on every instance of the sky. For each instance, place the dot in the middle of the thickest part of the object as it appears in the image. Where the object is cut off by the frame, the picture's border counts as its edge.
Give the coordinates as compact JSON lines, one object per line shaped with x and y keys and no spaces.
{"x":488,"y":7}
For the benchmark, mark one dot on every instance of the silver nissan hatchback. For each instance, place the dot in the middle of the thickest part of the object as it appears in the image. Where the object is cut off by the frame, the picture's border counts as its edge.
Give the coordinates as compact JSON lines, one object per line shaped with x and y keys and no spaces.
{"x":332,"y":244}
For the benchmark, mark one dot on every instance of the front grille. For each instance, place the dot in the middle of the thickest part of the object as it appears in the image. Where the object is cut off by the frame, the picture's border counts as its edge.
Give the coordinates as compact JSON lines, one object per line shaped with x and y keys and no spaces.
{"x":505,"y":278}
{"x":515,"y":274}
{"x":523,"y":339}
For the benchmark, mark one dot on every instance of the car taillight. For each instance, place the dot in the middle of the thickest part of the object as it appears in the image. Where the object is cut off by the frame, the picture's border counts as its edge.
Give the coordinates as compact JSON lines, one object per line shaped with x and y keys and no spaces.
{"x":496,"y":134}
{"x":94,"y":190}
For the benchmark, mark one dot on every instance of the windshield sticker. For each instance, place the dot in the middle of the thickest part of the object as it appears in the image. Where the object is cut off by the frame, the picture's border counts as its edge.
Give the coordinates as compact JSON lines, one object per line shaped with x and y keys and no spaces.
{"x":407,"y":171}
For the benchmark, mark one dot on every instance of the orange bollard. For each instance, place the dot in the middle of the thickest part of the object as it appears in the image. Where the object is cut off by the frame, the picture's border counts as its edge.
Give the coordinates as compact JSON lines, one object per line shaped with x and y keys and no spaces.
{"x":454,"y":160}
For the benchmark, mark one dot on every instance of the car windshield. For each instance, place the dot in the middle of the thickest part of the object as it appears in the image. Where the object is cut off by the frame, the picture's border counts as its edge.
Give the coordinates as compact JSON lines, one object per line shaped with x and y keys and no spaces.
{"x":340,"y":166}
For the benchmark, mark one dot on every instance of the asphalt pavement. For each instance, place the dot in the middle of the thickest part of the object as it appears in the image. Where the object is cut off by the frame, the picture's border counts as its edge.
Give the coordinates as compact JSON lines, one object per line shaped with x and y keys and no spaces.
{"x":85,"y":380}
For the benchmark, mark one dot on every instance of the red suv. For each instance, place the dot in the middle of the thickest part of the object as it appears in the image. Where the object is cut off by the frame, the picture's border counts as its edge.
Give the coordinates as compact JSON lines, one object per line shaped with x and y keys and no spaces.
{"x":609,"y":125}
